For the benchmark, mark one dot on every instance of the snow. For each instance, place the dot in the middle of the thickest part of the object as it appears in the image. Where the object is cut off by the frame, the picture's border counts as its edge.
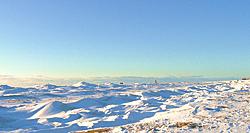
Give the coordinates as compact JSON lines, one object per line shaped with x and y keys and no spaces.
{"x":170,"y":107}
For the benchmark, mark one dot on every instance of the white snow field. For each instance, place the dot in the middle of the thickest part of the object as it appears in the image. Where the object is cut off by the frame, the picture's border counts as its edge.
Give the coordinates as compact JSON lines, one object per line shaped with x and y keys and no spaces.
{"x":221,"y":106}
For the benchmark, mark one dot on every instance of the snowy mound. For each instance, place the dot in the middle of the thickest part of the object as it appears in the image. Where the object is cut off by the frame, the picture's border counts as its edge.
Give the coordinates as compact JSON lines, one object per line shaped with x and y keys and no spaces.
{"x":4,"y":87}
{"x":45,"y":87}
{"x":53,"y":109}
{"x":85,"y":85}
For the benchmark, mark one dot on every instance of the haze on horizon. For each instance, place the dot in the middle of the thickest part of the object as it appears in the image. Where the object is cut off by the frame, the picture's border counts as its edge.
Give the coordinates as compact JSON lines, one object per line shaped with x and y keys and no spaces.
{"x":67,"y":39}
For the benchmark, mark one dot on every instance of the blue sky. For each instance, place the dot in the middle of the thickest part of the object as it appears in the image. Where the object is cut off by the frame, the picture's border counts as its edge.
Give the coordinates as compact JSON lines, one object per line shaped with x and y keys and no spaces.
{"x":95,"y":38}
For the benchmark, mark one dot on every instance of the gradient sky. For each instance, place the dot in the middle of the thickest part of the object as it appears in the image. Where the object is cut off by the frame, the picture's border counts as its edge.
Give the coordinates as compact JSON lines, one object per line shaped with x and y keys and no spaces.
{"x":85,"y":38}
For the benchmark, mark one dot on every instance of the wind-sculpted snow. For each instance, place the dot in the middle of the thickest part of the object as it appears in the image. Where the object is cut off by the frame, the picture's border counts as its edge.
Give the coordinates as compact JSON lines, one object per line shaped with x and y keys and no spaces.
{"x":126,"y":108}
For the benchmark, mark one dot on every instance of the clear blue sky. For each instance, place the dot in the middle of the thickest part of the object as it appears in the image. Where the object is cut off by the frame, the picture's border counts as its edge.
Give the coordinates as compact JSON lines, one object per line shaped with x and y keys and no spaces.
{"x":82,"y":38}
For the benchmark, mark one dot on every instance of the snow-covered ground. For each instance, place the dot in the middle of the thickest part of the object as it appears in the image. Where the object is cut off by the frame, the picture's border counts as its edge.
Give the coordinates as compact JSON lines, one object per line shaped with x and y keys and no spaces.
{"x":171,"y":107}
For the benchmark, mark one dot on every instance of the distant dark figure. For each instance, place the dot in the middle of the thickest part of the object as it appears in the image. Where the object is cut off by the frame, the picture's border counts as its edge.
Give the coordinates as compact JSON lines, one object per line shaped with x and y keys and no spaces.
{"x":245,"y":78}
{"x":121,"y":83}
{"x":156,"y":82}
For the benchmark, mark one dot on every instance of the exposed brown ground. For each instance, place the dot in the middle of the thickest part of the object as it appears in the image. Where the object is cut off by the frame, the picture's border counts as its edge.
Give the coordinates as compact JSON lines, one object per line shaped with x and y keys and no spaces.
{"x":103,"y":130}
